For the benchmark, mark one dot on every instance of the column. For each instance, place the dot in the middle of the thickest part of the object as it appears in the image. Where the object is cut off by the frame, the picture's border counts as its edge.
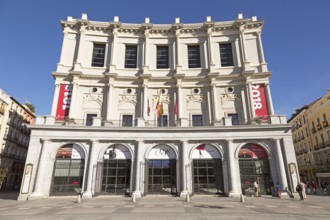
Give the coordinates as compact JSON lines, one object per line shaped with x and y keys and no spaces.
{"x":178,"y":62}
{"x":145,"y":102}
{"x":146,"y":42}
{"x":109,"y":99}
{"x":209,"y":47}
{"x":250,"y":100}
{"x":137,"y":191}
{"x":91,"y":162}
{"x":113,"y":46}
{"x":183,"y":178}
{"x":73,"y":98}
{"x":55,"y":99}
{"x":80,"y":48}
{"x":215,"y":103}
{"x":235,"y":184}
{"x":261,"y":53}
{"x":280,"y":163}
{"x":41,"y":172}
{"x":179,"y":102}
{"x":244,"y":51}
{"x":245,"y":106}
{"x":269,"y":100}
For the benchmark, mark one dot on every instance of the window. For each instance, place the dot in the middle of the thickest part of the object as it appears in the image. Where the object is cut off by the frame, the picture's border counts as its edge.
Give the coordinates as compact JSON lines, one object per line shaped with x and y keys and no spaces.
{"x":89,"y":119}
{"x":197,"y":120}
{"x":127,"y":120}
{"x":162,"y":57}
{"x":98,"y":55}
{"x":234,"y":119}
{"x":226,"y":55}
{"x":194,"y":56}
{"x":162,"y":121}
{"x":131,"y":56}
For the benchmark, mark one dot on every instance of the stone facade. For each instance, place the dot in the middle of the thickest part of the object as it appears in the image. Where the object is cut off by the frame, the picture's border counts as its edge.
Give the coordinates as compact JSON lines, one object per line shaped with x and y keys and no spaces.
{"x":179,"y":104}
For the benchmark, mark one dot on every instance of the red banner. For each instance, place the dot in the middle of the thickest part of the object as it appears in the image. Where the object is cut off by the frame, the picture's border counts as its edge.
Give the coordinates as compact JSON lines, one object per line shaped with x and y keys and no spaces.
{"x":259,"y":101}
{"x":64,"y":101}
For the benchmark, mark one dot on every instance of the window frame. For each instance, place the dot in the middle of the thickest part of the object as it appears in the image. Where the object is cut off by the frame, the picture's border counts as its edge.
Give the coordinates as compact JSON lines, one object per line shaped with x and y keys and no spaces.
{"x":123,"y":124}
{"x":131,"y":65}
{"x":162,"y":121}
{"x":194,"y":62}
{"x":162,"y":63}
{"x":199,"y":121}
{"x":98,"y":61}
{"x":226,"y":54}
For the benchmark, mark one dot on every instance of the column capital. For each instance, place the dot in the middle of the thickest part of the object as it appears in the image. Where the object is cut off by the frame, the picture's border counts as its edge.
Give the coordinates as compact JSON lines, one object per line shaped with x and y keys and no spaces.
{"x":185,"y":141}
{"x":93,"y":141}
{"x":44,"y":141}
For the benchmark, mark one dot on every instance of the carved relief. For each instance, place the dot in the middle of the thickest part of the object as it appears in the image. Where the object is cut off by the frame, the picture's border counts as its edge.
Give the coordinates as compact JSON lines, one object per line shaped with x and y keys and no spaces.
{"x":194,"y":98}
{"x":127,"y":98}
{"x":228,"y":97}
{"x":92,"y":97}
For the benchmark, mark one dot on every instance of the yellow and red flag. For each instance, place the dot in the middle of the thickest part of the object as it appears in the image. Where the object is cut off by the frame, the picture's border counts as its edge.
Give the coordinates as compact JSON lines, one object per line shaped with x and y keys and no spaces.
{"x":159,"y":106}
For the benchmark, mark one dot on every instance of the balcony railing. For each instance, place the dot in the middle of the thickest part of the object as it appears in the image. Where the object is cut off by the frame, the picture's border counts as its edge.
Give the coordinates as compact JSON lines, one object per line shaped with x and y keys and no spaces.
{"x":140,"y":122}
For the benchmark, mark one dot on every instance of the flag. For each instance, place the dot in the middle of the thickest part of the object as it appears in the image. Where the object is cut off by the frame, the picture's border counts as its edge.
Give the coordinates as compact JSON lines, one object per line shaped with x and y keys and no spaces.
{"x":148,"y":108}
{"x":176,"y":108}
{"x":159,"y":106}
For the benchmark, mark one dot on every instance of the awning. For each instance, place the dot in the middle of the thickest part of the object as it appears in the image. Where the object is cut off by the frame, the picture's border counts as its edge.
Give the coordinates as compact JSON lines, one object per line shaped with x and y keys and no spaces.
{"x":322,"y":174}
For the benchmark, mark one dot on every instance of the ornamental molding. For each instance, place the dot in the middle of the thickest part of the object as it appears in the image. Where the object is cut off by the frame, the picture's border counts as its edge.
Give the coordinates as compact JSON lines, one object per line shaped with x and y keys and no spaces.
{"x":92,"y":97}
{"x":175,"y":29}
{"x":128,"y":98}
{"x":228,"y":97}
{"x":194,"y":98}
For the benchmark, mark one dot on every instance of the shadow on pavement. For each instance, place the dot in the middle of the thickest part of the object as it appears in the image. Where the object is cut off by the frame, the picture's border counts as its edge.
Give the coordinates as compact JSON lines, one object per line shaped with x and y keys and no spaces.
{"x":9,"y":196}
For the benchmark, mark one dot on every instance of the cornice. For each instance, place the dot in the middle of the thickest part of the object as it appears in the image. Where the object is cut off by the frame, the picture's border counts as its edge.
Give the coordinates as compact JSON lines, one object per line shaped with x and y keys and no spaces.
{"x":182,"y":28}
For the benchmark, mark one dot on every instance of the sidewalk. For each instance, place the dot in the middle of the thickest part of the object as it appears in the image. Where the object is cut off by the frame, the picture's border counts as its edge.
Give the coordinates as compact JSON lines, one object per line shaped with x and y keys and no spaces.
{"x":166,"y":207}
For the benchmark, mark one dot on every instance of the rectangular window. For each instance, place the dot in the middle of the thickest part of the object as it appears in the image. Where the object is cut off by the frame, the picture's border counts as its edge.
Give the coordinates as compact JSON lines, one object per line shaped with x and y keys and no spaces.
{"x":127,"y":121}
{"x":89,"y":119}
{"x":194,"y":56}
{"x":130,"y":56}
{"x":234,"y":119}
{"x":98,"y":55}
{"x":162,"y":57}
{"x":162,"y":121}
{"x":226,"y":55}
{"x":197,"y":120}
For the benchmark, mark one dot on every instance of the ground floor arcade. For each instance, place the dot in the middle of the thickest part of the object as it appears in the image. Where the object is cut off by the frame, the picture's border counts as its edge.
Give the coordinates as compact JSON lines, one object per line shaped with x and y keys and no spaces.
{"x":144,"y":167}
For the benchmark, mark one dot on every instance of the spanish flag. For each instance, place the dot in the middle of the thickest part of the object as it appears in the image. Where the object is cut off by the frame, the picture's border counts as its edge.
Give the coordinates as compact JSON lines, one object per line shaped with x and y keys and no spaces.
{"x":159,"y":106}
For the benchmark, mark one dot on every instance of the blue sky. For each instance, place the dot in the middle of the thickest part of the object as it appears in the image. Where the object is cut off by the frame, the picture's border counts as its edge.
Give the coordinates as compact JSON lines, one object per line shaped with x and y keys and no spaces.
{"x":295,"y":38}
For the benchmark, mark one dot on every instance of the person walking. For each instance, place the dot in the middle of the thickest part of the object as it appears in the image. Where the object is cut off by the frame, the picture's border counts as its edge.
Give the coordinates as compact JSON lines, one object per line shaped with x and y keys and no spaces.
{"x":303,"y":189}
{"x":256,"y":188}
{"x":314,"y":187}
{"x":299,"y":190}
{"x":278,"y":188}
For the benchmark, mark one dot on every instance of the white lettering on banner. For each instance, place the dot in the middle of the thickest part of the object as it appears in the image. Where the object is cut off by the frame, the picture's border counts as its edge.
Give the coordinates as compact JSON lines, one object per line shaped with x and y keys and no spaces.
{"x":256,"y":97}
{"x":67,"y":97}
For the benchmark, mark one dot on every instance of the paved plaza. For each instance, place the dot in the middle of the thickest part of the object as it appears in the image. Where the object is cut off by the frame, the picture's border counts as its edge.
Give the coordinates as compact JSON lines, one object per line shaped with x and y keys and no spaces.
{"x":165,"y":208}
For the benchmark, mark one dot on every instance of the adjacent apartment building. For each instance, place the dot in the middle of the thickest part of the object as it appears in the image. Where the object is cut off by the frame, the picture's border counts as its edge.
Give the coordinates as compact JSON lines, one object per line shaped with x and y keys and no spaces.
{"x":311,"y":138}
{"x":14,"y":141}
{"x":143,"y":108}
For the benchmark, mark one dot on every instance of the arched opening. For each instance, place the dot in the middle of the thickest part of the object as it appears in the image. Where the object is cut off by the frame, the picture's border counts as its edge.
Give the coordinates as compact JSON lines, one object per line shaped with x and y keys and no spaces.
{"x":161,"y":171}
{"x":207,"y":170}
{"x":254,"y":165}
{"x":68,"y":170}
{"x":116,"y":172}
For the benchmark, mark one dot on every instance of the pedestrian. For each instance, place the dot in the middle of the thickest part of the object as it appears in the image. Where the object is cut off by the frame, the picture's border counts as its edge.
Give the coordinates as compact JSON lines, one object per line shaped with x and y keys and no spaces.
{"x":314,"y":187}
{"x":308,"y":188}
{"x":256,"y":188}
{"x":303,"y":189}
{"x":271,"y":187}
{"x":299,"y":190}
{"x":278,"y":187}
{"x":326,"y":187}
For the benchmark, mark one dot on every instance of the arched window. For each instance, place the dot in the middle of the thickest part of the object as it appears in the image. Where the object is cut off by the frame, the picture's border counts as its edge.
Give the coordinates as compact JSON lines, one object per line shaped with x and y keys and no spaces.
{"x":68,"y":170}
